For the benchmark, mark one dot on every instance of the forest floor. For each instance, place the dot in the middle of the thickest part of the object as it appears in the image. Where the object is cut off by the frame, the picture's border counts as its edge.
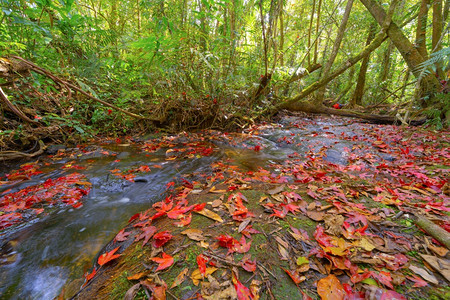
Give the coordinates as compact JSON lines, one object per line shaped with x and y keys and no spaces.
{"x":306,"y":226}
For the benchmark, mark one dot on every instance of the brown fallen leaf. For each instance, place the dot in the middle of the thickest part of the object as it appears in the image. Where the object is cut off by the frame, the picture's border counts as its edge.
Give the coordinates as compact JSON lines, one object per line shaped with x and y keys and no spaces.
{"x":216,"y":203}
{"x":194,"y":234}
{"x":276,"y":190}
{"x":333,"y":224}
{"x":210,"y":214}
{"x":439,"y":264}
{"x":137,"y":276}
{"x":132,"y":291}
{"x":180,"y":278}
{"x":441,"y":251}
{"x":315,"y":215}
{"x":424,"y":274}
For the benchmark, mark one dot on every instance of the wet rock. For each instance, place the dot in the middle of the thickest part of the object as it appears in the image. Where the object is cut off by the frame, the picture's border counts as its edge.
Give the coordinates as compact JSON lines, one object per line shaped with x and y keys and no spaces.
{"x":53,"y":149}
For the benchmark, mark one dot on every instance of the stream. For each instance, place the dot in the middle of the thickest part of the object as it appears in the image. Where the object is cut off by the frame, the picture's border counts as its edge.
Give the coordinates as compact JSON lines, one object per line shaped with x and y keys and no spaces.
{"x":38,"y":258}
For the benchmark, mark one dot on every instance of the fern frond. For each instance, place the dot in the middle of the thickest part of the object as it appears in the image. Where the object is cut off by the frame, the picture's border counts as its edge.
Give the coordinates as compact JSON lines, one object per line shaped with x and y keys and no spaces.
{"x":441,"y":56}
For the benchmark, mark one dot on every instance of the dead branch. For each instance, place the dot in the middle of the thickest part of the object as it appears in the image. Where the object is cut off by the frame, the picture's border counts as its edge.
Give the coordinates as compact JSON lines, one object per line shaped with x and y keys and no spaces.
{"x":14,"y":109}
{"x":69,"y":86}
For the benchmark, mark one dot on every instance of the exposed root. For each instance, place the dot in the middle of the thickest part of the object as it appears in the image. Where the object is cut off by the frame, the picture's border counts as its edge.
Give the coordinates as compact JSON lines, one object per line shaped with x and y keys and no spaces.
{"x":10,"y":155}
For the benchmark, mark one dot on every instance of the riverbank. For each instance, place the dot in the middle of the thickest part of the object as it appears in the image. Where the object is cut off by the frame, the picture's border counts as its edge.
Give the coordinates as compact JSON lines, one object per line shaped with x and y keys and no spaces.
{"x":301,"y":227}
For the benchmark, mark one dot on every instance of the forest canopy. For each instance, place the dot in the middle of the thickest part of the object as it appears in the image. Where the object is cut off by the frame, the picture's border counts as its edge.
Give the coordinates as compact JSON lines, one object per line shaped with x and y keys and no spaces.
{"x":216,"y":63}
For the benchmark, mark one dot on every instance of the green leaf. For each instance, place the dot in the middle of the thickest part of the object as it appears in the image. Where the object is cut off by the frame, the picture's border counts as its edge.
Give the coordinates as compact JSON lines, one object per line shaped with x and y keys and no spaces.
{"x":302,"y":260}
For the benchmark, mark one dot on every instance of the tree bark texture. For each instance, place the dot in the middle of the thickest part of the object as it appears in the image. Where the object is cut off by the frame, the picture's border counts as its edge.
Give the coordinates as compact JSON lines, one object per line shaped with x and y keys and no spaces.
{"x":334,"y":52}
{"x":361,"y":82}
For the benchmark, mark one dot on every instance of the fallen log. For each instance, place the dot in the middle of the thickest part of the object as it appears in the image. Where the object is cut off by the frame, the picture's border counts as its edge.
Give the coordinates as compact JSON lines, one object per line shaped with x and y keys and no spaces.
{"x":434,"y":230}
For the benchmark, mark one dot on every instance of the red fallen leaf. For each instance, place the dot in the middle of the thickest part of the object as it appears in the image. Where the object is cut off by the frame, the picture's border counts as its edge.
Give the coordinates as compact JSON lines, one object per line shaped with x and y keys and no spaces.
{"x":184,"y":220}
{"x":161,"y":238}
{"x":122,"y":236}
{"x":199,"y":207}
{"x":248,"y":265}
{"x":249,"y":230}
{"x":147,"y":233}
{"x":352,"y":295}
{"x":243,"y":293}
{"x":295,"y":276}
{"x":107,"y":257}
{"x":257,"y":148}
{"x":384,"y":278}
{"x":242,"y":246}
{"x":279,"y":214}
{"x":227,"y":241}
{"x":330,"y":288}
{"x":168,"y":185}
{"x":164,"y":262}
{"x":418,"y":282}
{"x":90,"y":276}
{"x":201,"y":262}
{"x":322,"y":237}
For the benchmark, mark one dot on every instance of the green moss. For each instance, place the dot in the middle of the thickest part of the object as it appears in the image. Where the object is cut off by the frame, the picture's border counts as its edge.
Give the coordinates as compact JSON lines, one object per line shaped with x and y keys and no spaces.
{"x":191,"y":254}
{"x":121,"y":286}
{"x":284,"y":288}
{"x":253,"y":197}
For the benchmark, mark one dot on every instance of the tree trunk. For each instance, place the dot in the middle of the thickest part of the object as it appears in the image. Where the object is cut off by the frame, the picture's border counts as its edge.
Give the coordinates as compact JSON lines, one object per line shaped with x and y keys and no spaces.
{"x":422,"y":29}
{"x":316,"y":45}
{"x":377,"y":41}
{"x":429,"y":84}
{"x":436,"y":34}
{"x":446,"y":9}
{"x":309,"y":32}
{"x":334,"y":52}
{"x":349,"y":85}
{"x":359,"y":90}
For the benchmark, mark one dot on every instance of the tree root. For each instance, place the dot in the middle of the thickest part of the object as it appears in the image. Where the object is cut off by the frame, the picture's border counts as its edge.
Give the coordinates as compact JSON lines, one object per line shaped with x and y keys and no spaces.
{"x":10,"y":155}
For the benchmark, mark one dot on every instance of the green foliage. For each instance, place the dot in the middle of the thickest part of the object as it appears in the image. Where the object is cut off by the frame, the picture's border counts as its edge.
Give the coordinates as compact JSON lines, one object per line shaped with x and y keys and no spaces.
{"x":439,"y":112}
{"x":441,"y":57}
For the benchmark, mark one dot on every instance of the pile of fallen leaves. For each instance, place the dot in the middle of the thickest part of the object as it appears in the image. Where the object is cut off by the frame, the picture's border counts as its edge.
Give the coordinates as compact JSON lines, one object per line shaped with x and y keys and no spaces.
{"x":335,"y":231}
{"x":23,"y":205}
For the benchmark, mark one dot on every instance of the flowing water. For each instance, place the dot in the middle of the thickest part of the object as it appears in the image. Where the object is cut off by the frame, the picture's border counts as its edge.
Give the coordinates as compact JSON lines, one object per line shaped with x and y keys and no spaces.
{"x":37,"y":259}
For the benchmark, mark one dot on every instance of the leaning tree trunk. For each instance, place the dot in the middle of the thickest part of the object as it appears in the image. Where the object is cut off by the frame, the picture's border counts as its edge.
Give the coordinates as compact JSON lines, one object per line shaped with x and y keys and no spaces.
{"x":359,"y":90}
{"x":334,"y":52}
{"x":429,"y":84}
{"x":422,"y":29}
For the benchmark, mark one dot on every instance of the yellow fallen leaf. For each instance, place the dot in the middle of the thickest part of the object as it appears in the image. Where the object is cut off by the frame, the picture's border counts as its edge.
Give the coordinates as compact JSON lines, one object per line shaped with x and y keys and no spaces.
{"x":210,"y":214}
{"x":213,"y":190}
{"x":196,"y":276}
{"x":365,"y":244}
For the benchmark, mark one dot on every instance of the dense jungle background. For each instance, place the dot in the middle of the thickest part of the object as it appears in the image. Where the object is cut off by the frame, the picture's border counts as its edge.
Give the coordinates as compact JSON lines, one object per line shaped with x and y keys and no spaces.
{"x":74,"y":69}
